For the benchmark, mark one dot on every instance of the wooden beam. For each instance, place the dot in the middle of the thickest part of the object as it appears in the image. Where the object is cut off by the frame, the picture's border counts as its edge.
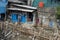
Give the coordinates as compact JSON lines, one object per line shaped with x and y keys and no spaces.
{"x":25,"y":6}
{"x":15,"y":1}
{"x":20,"y":9}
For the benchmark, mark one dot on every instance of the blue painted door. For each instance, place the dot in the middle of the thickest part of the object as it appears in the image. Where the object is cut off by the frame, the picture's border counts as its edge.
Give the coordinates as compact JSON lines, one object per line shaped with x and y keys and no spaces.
{"x":14,"y":18}
{"x":23,"y":18}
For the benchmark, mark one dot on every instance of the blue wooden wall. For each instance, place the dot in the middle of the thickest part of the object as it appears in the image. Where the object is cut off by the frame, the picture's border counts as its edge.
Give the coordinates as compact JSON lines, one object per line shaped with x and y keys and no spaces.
{"x":3,"y":4}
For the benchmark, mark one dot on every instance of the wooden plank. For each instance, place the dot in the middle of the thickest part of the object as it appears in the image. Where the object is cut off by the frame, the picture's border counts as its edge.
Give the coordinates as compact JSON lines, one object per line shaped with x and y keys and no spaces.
{"x":25,"y":6}
{"x":19,"y":9}
{"x":15,"y":1}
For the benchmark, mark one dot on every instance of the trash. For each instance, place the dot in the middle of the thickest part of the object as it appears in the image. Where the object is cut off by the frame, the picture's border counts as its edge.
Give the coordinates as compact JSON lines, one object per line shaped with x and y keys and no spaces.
{"x":51,"y":23}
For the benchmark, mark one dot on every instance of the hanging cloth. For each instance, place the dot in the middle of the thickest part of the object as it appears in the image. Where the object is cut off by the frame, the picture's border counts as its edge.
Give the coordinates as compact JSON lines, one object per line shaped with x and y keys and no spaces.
{"x":41,"y":4}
